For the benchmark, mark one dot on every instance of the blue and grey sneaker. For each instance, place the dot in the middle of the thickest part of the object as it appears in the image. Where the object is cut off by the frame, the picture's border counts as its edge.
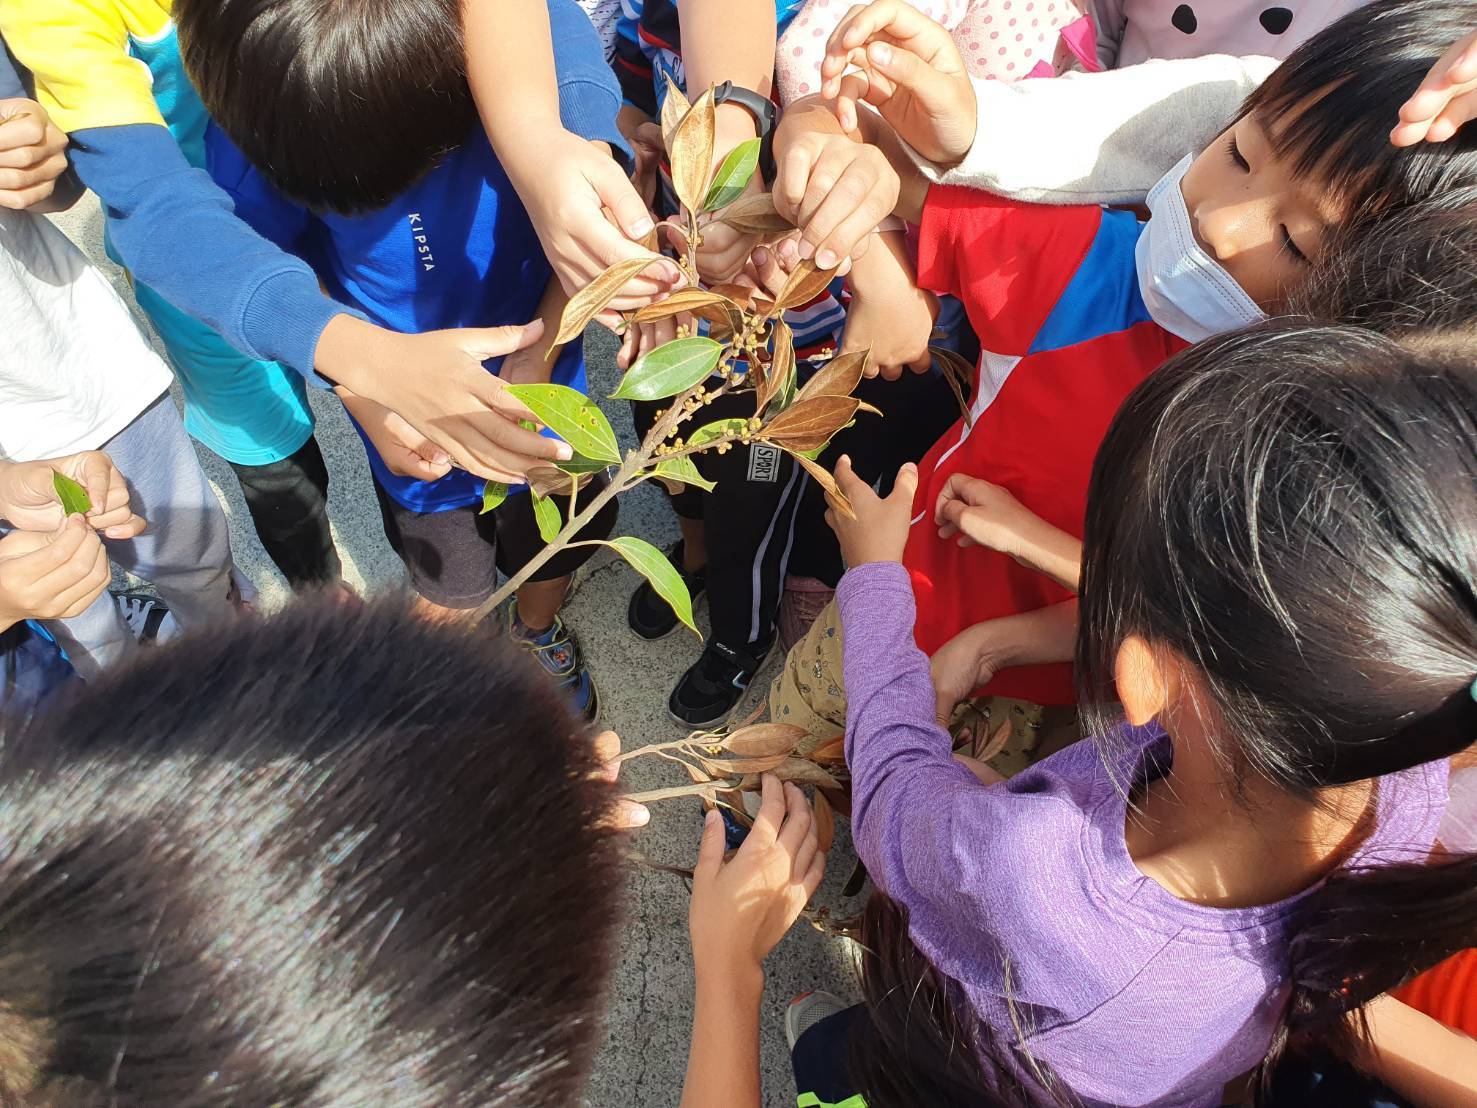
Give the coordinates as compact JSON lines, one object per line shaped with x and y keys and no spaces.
{"x":557,"y":651}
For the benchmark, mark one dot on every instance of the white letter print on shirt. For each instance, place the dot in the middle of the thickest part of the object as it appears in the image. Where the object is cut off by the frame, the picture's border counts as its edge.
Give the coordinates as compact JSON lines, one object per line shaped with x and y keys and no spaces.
{"x":422,"y":246}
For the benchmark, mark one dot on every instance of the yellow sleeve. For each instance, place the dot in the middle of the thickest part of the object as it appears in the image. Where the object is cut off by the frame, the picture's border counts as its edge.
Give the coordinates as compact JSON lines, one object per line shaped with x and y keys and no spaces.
{"x":77,"y":50}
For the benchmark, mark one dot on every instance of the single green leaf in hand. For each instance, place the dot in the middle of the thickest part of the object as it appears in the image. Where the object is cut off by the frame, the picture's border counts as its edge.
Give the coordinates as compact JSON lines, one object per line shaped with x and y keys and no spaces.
{"x":546,"y":514}
{"x":493,"y":494}
{"x":73,"y":496}
{"x":652,"y":564}
{"x":670,"y":369}
{"x":733,"y":175}
{"x":574,"y":417}
{"x":683,"y":472}
{"x":723,"y":428}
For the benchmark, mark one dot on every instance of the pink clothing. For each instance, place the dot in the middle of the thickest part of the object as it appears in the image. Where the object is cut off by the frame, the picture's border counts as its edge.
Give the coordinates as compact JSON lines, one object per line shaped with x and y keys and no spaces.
{"x":1000,"y":39}
{"x":1133,"y":31}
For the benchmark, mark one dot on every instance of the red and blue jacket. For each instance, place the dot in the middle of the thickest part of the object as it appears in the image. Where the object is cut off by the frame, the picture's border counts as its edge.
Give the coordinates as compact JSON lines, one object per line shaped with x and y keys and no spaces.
{"x":1053,"y":294}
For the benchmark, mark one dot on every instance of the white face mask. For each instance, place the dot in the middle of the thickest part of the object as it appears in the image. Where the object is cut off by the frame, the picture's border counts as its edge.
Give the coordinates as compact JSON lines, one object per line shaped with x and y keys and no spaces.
{"x":1185,"y":289}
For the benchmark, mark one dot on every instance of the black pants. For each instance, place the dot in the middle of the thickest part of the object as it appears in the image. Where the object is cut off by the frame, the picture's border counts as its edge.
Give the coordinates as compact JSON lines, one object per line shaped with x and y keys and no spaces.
{"x":749,"y":521}
{"x":288,"y":502}
{"x":916,"y":409}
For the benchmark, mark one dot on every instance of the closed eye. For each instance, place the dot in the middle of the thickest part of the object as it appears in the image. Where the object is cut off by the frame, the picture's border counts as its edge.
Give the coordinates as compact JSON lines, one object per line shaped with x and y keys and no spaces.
{"x":1234,"y":152}
{"x":1290,"y":246}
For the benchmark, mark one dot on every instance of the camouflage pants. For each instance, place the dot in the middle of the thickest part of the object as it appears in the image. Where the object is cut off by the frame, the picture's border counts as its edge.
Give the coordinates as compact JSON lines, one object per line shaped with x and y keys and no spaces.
{"x":1005,"y":733}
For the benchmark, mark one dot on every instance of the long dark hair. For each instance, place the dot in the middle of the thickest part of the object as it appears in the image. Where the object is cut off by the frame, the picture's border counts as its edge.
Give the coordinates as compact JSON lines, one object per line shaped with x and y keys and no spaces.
{"x":328,"y":858}
{"x":1293,"y":509}
{"x":1330,"y":105}
{"x":921,"y":1042}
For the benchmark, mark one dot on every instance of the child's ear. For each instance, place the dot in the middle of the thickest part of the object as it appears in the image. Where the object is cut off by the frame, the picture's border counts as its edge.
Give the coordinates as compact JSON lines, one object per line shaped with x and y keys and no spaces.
{"x":1146,"y":686}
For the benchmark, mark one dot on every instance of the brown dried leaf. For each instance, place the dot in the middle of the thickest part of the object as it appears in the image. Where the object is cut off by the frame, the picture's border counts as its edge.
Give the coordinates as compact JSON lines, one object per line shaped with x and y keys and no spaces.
{"x":691,"y":153}
{"x":840,"y":801}
{"x":802,"y":771}
{"x":832,"y":753}
{"x":960,"y":375}
{"x":781,"y":365}
{"x":712,"y":306}
{"x":838,"y":377}
{"x":745,"y":764}
{"x":760,"y":740}
{"x":808,"y":425}
{"x":549,"y":481}
{"x":805,"y":283}
{"x":674,"y":107}
{"x":822,"y":477}
{"x":755,"y":215}
{"x":590,"y":301}
{"x":741,"y":295}
{"x":825,"y":822}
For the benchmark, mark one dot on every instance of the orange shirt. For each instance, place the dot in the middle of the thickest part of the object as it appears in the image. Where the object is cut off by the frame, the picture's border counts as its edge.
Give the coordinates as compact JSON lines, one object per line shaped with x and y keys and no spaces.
{"x":1447,"y":992}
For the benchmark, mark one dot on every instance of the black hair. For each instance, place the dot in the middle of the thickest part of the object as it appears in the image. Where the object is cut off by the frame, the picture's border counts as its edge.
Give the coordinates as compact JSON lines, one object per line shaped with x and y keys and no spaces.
{"x":921,"y":1042}
{"x":1329,"y":107}
{"x":1411,"y":275}
{"x":341,"y":104}
{"x":330,"y":858}
{"x":1293,"y":510}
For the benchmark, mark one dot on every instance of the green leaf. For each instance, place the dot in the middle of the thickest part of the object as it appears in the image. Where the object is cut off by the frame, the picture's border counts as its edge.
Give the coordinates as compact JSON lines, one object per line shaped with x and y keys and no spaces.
{"x":733,"y":175}
{"x":493,"y":494}
{"x":652,"y":564}
{"x":717,"y":430}
{"x":684,"y":472}
{"x":580,"y":465}
{"x":546,"y":514}
{"x":73,"y":496}
{"x":574,"y":417}
{"x":670,"y":369}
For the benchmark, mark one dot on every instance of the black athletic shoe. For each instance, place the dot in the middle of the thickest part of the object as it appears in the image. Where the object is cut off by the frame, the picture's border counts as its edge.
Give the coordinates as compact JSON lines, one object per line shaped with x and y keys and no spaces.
{"x":707,"y":692}
{"x":649,"y":615}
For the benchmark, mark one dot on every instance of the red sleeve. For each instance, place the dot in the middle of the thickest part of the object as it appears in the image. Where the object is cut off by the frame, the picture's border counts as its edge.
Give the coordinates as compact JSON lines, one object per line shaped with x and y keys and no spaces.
{"x":1009,"y":262}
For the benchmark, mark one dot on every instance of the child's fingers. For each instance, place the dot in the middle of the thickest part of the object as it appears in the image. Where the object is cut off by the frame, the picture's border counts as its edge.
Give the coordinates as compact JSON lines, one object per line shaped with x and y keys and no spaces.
{"x":861,"y":198}
{"x":771,"y":811}
{"x":814,"y":874}
{"x":20,"y":135}
{"x":131,"y":527}
{"x":495,"y":342}
{"x":710,"y":849}
{"x":619,"y":197}
{"x":793,"y":179}
{"x":799,"y":821}
{"x":847,"y":480}
{"x":1453,"y":117}
{"x":906,"y":485}
{"x":838,"y":55}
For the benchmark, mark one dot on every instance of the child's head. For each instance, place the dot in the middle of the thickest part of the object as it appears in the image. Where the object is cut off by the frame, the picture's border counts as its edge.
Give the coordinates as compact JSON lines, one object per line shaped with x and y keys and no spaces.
{"x":1281,"y":554}
{"x":330,"y":858}
{"x":341,"y":106}
{"x":1291,"y":511}
{"x":1311,"y":152}
{"x":1411,"y":275}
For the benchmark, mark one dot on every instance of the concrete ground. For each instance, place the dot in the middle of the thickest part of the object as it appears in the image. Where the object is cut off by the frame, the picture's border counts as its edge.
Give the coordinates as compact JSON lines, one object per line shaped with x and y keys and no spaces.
{"x":647,"y":1026}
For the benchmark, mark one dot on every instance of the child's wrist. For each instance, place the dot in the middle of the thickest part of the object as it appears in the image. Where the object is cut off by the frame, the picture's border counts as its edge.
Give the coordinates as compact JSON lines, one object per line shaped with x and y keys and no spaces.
{"x":729,"y":974}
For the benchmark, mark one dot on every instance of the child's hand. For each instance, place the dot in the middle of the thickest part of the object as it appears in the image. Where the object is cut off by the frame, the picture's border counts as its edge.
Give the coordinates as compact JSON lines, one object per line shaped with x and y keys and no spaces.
{"x":567,"y":208}
{"x":1445,"y":100}
{"x":964,"y":663}
{"x":51,"y":574}
{"x":880,"y":530}
{"x":836,"y":190}
{"x":436,"y":382}
{"x":910,"y":71}
{"x":742,"y":908}
{"x":642,"y":338}
{"x":32,"y":154}
{"x":627,"y":815}
{"x":888,"y":312}
{"x":986,"y":514}
{"x":28,"y":494}
{"x":405,"y":451}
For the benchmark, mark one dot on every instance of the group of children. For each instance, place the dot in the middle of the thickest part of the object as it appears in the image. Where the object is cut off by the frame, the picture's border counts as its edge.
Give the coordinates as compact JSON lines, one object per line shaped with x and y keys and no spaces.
{"x":1198,"y":561}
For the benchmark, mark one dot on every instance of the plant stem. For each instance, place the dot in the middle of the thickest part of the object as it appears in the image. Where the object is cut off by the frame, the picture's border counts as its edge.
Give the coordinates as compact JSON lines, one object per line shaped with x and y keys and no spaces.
{"x":624,"y":478}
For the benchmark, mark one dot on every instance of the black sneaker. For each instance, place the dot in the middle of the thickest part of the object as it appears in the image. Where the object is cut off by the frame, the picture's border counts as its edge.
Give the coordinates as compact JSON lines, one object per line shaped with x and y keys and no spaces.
{"x":707,"y":692}
{"x":649,"y":615}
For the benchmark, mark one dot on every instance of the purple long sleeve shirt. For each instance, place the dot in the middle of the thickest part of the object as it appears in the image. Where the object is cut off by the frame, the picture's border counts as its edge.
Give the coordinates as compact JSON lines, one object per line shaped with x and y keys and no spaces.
{"x":1135,"y":997}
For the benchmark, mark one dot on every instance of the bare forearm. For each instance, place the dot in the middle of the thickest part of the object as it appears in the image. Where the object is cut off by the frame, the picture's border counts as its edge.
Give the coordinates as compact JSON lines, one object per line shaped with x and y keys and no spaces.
{"x":1425,"y":1061}
{"x":512,"y":76}
{"x":723,"y":1062}
{"x":1041,"y":637}
{"x":1056,"y":554}
{"x":728,"y":40}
